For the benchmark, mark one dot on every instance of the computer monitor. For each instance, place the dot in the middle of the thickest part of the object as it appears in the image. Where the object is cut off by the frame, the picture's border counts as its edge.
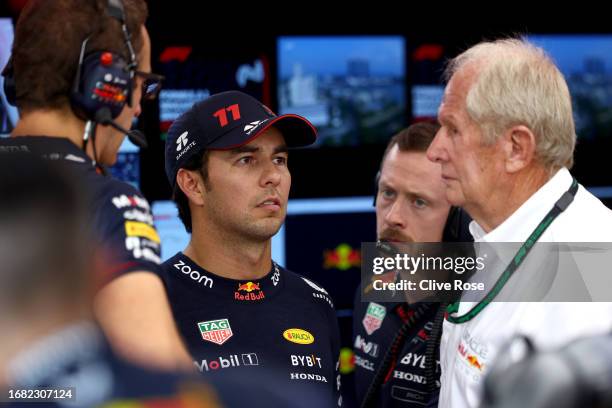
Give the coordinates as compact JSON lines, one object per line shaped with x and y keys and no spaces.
{"x":192,"y":73}
{"x":8,"y":112}
{"x":427,"y":61}
{"x":352,"y":88}
{"x":586,"y":63}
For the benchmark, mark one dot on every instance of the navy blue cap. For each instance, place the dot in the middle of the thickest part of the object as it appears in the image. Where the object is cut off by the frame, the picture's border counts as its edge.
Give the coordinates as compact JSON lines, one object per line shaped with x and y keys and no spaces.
{"x":228,"y":120}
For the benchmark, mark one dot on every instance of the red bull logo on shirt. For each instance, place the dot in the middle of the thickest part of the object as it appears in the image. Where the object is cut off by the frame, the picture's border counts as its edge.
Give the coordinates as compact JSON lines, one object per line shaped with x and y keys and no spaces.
{"x":473,"y":353}
{"x":343,"y":257}
{"x":250,"y":294}
{"x":248,"y":287}
{"x":216,"y":331}
{"x":473,"y":361}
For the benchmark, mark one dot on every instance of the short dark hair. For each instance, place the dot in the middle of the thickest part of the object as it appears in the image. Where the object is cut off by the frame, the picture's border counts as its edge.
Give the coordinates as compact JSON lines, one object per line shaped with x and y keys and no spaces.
{"x":415,"y":138}
{"x":196,"y":162}
{"x":48,"y":38}
{"x":46,"y":247}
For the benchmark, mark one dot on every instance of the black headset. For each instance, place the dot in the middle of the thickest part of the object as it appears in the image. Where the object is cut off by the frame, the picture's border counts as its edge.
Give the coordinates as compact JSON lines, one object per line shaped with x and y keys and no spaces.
{"x":456,"y":228}
{"x":103,"y":81}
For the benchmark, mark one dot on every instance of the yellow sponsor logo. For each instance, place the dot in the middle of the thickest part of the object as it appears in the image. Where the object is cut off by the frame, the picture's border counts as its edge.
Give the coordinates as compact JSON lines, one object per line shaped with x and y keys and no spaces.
{"x":140,"y":229}
{"x":298,"y":336}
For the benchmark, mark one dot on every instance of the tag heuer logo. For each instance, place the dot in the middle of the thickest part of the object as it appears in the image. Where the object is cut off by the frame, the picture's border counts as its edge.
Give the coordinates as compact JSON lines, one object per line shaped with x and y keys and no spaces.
{"x":181,"y":141}
{"x":216,"y":331}
{"x":373,"y":317}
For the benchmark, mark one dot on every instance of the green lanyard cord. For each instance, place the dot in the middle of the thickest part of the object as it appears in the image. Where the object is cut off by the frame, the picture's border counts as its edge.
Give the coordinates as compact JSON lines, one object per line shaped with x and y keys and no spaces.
{"x":560,"y":206}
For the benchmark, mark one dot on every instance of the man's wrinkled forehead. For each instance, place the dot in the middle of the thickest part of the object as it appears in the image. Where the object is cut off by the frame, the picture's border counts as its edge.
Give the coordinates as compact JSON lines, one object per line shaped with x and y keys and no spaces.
{"x":457,"y":89}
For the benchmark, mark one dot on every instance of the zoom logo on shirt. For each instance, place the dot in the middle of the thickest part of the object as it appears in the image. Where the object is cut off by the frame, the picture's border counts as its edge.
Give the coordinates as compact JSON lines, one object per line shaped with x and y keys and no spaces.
{"x":185,"y":269}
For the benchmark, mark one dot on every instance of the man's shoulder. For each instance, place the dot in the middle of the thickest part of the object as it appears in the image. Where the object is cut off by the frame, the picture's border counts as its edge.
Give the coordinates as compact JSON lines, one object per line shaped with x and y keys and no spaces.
{"x":587,"y":219}
{"x":121,"y":194}
{"x":112,"y":196}
{"x":168,"y":262}
{"x":177,"y":261}
{"x":310,"y":290}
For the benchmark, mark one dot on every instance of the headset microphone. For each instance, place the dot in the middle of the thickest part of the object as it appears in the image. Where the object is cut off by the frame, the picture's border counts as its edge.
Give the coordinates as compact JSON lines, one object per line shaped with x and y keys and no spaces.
{"x":103,"y":117}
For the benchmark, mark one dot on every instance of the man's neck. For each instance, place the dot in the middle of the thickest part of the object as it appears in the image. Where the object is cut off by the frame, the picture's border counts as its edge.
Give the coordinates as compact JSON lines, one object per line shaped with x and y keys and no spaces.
{"x":53,"y":123}
{"x":229,"y":257}
{"x":508,"y":197}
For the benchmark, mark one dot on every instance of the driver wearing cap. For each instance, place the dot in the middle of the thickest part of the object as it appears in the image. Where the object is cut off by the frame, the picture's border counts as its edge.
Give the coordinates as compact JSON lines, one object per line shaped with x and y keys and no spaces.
{"x":237,"y":310}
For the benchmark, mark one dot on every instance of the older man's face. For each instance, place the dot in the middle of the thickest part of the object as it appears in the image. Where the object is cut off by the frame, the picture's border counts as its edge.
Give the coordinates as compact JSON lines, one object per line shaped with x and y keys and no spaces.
{"x":469,"y":168}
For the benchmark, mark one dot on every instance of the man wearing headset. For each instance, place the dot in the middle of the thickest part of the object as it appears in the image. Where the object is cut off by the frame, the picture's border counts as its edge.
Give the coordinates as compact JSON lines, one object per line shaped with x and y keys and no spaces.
{"x":411,"y":206}
{"x":506,"y":144}
{"x":76,"y":68}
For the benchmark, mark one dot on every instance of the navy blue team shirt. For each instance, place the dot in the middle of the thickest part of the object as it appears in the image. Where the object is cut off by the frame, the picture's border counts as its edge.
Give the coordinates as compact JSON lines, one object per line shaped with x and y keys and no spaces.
{"x":282,"y":324}
{"x":120,"y":216}
{"x":77,"y":362}
{"x":375,"y":325}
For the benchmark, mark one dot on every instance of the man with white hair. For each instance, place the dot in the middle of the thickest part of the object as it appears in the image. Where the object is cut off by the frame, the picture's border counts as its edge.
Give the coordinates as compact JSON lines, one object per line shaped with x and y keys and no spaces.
{"x":505,"y":146}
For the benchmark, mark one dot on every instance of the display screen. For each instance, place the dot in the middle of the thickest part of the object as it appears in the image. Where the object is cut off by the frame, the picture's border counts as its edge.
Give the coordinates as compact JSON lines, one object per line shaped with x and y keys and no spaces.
{"x":353,"y":89}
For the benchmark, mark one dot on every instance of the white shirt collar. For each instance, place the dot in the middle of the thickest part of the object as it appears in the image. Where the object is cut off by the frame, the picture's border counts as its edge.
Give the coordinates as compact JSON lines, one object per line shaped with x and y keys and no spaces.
{"x":523,"y":221}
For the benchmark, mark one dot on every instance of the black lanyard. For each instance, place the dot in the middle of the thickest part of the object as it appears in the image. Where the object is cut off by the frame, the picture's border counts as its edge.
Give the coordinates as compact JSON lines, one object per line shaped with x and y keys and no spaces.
{"x":562,"y":203}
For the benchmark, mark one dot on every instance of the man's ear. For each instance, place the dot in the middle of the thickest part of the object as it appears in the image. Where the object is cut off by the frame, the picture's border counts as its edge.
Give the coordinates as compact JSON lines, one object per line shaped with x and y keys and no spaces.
{"x":190,"y":182}
{"x":520,"y":148}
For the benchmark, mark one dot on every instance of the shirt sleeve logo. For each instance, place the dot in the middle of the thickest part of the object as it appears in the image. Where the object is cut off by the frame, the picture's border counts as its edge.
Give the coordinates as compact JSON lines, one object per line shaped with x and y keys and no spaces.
{"x":314,"y":286}
{"x":140,"y":229}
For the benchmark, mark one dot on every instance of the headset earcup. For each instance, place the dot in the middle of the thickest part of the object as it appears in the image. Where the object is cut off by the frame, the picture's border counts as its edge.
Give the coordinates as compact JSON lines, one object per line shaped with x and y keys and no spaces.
{"x":376,"y":180}
{"x":101,"y":85}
